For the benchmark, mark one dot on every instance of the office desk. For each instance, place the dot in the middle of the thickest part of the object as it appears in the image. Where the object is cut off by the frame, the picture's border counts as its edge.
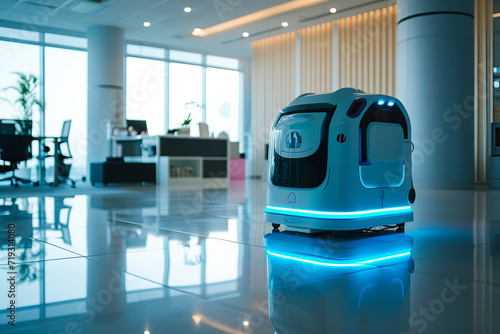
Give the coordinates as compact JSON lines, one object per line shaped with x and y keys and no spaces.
{"x":129,"y":147}
{"x":42,"y":156}
{"x":180,"y":160}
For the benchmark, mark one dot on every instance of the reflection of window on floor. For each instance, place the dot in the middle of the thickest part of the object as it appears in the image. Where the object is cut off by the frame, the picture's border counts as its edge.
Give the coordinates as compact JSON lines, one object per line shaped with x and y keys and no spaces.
{"x":186,"y":263}
{"x":140,"y":289}
{"x":57,"y":292}
{"x":39,"y":280}
{"x":58,"y":299}
{"x":226,"y":270}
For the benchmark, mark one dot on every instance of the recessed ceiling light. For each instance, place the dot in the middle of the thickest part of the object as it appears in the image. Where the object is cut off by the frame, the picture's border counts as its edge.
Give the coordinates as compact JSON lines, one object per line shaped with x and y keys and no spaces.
{"x":284,"y":24}
{"x":246,"y":323}
{"x":333,"y":10}
{"x":187,"y":9}
{"x":147,"y":24}
{"x":197,"y":31}
{"x":147,"y":332}
{"x":245,"y":34}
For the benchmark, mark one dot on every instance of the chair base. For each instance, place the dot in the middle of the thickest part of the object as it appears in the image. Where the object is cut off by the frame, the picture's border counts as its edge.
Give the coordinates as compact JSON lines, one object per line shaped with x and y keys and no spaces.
{"x":61,"y":180}
{"x":62,"y":176}
{"x":67,"y":180}
{"x":14,"y":180}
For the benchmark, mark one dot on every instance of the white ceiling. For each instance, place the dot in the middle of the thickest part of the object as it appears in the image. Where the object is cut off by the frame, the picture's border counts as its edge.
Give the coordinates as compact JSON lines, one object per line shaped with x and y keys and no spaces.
{"x":170,"y":25}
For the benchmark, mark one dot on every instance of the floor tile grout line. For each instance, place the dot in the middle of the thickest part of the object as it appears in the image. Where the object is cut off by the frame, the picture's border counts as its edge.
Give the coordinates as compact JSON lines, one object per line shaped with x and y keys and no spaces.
{"x":203,"y":236}
{"x":147,"y":279}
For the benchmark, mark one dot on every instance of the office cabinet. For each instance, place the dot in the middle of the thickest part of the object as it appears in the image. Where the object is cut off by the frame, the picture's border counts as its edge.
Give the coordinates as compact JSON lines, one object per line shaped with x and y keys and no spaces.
{"x":181,"y":161}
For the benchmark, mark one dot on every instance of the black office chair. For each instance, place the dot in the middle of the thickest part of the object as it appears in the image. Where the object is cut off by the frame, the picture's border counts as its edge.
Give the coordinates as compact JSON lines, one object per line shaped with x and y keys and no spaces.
{"x":63,"y":153}
{"x":15,"y":146}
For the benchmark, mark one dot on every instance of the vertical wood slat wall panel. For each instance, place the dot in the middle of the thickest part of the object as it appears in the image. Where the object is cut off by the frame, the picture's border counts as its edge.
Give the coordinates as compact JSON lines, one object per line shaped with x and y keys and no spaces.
{"x":365,"y":42}
{"x":317,"y":58}
{"x":383,"y":52}
{"x":363,"y":56}
{"x":367,"y":51}
{"x":341,"y":33}
{"x":273,"y":87}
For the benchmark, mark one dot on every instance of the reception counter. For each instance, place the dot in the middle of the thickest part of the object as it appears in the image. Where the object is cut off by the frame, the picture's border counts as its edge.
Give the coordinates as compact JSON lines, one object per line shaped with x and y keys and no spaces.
{"x":179,"y":160}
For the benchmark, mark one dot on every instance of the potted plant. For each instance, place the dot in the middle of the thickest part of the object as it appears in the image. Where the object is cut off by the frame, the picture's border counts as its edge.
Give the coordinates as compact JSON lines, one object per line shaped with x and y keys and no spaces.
{"x":192,"y":106}
{"x":187,"y":120}
{"x":26,"y":95}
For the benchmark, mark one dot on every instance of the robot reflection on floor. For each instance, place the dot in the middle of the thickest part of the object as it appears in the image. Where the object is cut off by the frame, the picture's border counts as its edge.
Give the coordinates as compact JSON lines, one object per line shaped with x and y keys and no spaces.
{"x":357,"y":283}
{"x":340,"y":161}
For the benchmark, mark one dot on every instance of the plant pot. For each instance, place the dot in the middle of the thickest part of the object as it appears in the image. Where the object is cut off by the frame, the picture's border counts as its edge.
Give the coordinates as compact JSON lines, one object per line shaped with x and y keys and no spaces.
{"x":184,"y":131}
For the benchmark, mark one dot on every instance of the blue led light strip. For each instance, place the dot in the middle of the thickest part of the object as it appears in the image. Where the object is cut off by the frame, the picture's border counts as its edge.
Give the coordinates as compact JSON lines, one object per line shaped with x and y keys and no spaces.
{"x":338,"y":215}
{"x":340,"y":263}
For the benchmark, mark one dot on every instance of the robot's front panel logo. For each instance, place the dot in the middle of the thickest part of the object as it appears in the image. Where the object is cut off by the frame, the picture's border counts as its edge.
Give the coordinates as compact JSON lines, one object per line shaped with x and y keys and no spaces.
{"x":293,"y":140}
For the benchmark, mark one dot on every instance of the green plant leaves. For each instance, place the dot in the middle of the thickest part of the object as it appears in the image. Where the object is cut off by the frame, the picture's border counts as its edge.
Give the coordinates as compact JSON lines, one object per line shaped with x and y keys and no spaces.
{"x":26,"y":90}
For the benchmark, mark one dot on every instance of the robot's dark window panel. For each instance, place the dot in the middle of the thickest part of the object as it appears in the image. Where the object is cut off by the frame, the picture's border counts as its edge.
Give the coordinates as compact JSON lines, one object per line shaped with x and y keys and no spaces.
{"x":300,"y":147}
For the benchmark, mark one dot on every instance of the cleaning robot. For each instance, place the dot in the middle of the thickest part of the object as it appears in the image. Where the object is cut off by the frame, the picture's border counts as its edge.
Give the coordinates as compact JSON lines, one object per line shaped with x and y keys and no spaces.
{"x":340,"y":161}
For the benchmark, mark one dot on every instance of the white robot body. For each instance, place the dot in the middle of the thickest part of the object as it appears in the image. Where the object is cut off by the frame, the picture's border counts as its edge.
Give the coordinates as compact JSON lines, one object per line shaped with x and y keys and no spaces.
{"x":340,"y":161}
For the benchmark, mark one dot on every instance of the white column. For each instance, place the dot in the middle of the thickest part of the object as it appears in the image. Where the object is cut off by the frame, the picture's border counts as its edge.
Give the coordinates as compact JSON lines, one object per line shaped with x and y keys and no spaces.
{"x":435,"y":82}
{"x":106,"y":52}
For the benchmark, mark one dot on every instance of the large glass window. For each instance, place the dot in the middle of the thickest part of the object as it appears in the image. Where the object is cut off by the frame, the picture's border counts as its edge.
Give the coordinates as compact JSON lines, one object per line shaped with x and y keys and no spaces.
{"x":185,"y":94}
{"x":229,"y":63}
{"x":186,"y":57}
{"x":223,"y":102}
{"x":203,"y":88}
{"x":17,"y":57}
{"x":25,"y":58}
{"x":145,"y":98}
{"x":66,"y":99}
{"x":77,"y":42}
{"x":145,"y":51}
{"x":18,"y":34}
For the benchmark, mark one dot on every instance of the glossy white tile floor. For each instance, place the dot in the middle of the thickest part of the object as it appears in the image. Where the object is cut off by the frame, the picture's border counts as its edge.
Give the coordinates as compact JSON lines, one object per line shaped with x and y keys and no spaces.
{"x":150,"y":259}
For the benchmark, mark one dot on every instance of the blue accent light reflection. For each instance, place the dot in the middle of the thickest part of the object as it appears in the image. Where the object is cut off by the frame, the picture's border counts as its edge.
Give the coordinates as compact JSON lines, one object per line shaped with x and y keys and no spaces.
{"x":373,"y":285}
{"x":381,"y":102}
{"x":338,"y":215}
{"x":340,"y":263}
{"x":390,"y":104}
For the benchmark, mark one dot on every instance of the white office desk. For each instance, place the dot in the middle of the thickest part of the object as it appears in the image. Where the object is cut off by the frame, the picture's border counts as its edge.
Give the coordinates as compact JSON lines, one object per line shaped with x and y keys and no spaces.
{"x":180,"y":160}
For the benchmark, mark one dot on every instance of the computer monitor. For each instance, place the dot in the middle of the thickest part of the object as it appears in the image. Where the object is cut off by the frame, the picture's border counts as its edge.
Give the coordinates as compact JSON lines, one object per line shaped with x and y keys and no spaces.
{"x":139,"y":126}
{"x":8,"y":129}
{"x":495,"y":139}
{"x":199,"y":130}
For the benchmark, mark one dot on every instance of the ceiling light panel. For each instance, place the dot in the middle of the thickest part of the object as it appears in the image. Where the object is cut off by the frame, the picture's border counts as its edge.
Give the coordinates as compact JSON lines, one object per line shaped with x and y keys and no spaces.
{"x":259,"y":15}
